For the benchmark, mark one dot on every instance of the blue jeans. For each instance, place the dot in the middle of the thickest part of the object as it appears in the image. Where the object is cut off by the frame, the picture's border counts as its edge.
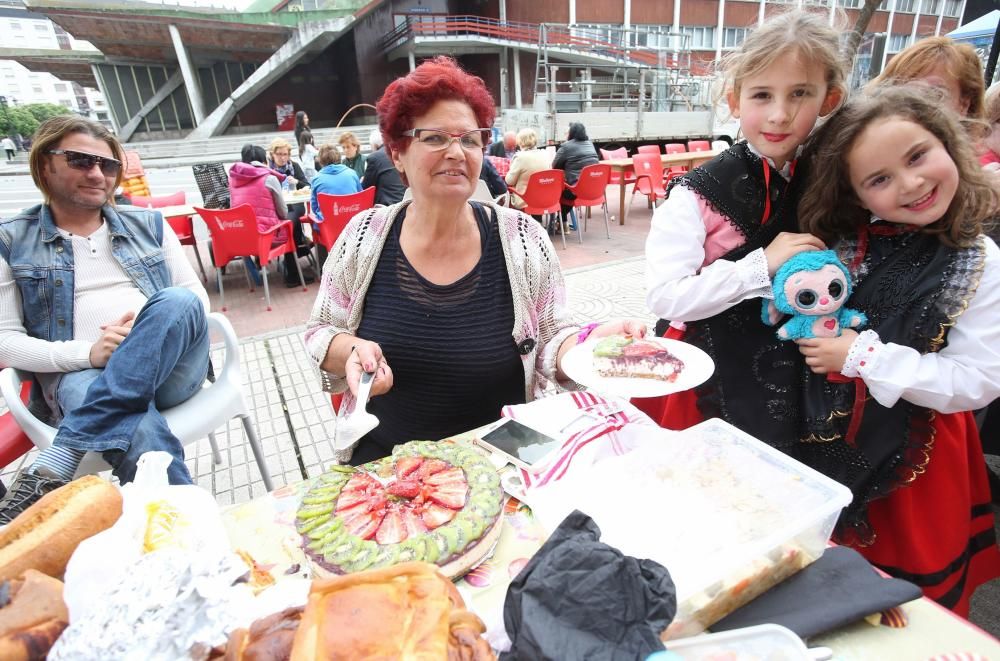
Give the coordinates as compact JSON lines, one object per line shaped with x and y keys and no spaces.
{"x":116,"y":410}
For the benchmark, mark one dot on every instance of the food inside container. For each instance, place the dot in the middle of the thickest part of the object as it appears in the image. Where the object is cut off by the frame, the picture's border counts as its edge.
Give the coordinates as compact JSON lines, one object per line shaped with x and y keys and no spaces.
{"x":729,"y":516}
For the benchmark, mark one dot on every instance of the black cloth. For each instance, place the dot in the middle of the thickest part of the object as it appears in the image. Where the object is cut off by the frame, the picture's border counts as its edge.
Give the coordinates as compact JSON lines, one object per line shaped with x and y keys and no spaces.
{"x":578,"y":598}
{"x":450,"y":347}
{"x":755,"y":386}
{"x":493,"y":180}
{"x":838,"y":589}
{"x":383,"y":175}
{"x":574,"y":155}
{"x":292,"y":169}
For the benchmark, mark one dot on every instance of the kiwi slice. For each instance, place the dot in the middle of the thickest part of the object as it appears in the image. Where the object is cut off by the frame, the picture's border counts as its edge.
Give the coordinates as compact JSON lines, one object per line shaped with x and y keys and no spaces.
{"x":306,"y":526}
{"x":411,"y":549}
{"x":343,"y":551}
{"x":315,"y":510}
{"x":363,"y":559}
{"x":439,"y":544}
{"x":449,"y":532}
{"x":388,"y":554}
{"x":339,"y":468}
{"x":318,"y":497}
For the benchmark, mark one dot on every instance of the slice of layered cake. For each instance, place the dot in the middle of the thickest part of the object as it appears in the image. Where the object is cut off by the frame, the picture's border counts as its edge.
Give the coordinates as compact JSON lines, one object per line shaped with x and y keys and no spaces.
{"x":621,"y":356}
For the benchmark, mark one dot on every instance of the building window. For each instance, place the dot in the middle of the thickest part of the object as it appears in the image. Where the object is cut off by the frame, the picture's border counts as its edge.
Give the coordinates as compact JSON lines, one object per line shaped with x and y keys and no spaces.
{"x":905,"y":5}
{"x":41,"y":27}
{"x":14,"y":25}
{"x":67,"y":103}
{"x":700,"y":37}
{"x":952,"y":7}
{"x":733,"y":37}
{"x":61,"y":87}
{"x":898,"y":42}
{"x":884,"y":5}
{"x":930,"y":7}
{"x":850,"y":4}
{"x":37,"y":89}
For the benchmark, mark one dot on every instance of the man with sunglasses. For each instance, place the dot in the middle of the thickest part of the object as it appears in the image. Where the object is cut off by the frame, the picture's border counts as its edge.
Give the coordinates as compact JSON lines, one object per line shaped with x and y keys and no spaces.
{"x":102,"y":306}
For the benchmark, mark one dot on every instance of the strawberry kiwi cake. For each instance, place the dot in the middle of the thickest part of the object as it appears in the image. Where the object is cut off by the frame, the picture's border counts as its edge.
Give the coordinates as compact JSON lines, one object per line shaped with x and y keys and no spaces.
{"x":617,"y":355}
{"x":431,"y":501}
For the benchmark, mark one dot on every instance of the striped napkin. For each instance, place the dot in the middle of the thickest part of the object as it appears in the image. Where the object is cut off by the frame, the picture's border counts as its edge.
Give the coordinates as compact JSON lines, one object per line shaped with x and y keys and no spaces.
{"x":590,"y":427}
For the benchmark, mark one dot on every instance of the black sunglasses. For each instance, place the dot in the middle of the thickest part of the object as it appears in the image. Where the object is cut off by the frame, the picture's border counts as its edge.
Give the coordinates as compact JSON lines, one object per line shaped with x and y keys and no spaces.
{"x":82,"y":161}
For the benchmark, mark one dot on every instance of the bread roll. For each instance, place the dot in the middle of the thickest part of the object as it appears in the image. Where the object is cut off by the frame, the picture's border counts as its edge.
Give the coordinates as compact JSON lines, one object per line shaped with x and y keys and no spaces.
{"x":33,"y":618}
{"x":44,"y":536}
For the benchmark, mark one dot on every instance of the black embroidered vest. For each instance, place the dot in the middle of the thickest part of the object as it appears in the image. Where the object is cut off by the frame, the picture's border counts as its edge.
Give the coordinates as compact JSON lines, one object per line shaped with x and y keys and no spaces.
{"x":756,"y":383}
{"x":912,"y":288}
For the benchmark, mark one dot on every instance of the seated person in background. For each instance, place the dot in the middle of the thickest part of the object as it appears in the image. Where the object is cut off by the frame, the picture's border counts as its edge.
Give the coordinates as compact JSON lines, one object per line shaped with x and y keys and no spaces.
{"x":352,"y":153}
{"x":572,"y":156}
{"x":334,"y":178}
{"x":127,"y":336}
{"x":253,"y":183}
{"x":458,"y":307}
{"x":493,"y":180}
{"x":529,"y":161}
{"x":505,"y":149}
{"x":281,"y":162}
{"x":307,"y":153}
{"x":382,"y":174}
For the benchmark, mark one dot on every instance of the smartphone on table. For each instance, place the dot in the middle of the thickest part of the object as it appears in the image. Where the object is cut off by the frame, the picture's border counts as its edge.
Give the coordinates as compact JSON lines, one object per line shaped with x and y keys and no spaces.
{"x":521,"y":445}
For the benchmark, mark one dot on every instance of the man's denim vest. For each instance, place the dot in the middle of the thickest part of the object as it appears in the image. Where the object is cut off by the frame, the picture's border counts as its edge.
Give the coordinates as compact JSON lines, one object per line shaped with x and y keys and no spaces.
{"x":42,"y":263}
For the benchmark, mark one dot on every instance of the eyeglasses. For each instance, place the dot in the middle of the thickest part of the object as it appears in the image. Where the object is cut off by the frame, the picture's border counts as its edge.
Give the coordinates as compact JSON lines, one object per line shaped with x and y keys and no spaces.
{"x":437,"y":140}
{"x":79,"y":160}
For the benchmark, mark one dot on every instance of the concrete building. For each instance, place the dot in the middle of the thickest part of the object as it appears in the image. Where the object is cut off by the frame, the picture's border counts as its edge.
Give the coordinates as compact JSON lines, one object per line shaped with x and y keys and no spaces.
{"x":170,"y":71}
{"x":23,"y":30}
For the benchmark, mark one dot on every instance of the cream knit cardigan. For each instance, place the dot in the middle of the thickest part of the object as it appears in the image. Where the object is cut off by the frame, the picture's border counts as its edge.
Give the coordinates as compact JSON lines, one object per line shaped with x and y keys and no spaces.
{"x":541,"y":320}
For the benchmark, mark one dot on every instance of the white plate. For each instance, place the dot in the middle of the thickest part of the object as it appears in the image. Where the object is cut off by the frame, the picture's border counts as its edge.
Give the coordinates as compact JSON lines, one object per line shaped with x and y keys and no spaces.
{"x":698,"y":366}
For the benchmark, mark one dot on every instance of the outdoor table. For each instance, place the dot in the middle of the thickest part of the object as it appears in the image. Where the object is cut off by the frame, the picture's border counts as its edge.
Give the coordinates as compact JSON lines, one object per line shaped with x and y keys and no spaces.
{"x":265,"y":528}
{"x":300,"y":196}
{"x":177,"y":211}
{"x":689,"y":159}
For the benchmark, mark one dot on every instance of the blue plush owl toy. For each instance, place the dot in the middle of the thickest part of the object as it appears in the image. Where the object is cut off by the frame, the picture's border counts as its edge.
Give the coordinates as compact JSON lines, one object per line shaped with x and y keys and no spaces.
{"x":812,"y":286}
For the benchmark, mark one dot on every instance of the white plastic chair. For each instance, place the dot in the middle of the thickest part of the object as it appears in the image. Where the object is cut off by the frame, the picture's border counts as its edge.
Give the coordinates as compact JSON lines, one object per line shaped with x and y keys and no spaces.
{"x":195,"y":418}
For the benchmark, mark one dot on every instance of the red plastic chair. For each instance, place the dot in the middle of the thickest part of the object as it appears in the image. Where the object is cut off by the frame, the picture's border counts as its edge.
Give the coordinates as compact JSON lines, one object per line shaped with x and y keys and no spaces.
{"x":616,"y":177}
{"x":159,"y":201}
{"x":699,"y":145}
{"x":649,"y":177}
{"x":591,"y":190}
{"x":235,"y":234}
{"x":649,"y":149}
{"x":675,"y":170}
{"x":541,"y":196}
{"x":501,"y":163}
{"x":14,"y":443}
{"x":337,"y":210}
{"x":183,"y":226}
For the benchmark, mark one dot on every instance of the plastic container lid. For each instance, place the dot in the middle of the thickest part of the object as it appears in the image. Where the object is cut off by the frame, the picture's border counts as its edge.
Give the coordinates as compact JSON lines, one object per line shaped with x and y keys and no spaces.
{"x":764,"y":642}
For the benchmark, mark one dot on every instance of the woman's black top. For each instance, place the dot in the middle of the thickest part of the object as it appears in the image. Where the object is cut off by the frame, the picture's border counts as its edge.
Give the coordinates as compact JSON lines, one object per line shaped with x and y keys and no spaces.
{"x":450,"y":347}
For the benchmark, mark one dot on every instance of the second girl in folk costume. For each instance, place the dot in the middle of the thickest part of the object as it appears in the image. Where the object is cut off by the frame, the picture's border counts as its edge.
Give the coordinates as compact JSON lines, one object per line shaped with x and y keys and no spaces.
{"x":901,"y":198}
{"x":729,"y":224}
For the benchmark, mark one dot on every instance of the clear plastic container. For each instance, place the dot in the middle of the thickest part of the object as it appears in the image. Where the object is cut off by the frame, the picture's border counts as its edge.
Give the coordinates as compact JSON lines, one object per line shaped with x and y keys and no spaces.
{"x":765,"y":642}
{"x":728,"y":515}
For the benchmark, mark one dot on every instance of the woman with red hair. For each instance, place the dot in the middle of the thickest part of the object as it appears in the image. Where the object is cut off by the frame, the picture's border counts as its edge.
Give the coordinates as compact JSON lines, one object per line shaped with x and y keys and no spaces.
{"x":458,"y":307}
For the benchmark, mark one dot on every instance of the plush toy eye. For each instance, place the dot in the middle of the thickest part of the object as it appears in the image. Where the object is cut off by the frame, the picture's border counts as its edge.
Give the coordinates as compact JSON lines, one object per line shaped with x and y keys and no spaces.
{"x":836,"y":288}
{"x":806,"y":298}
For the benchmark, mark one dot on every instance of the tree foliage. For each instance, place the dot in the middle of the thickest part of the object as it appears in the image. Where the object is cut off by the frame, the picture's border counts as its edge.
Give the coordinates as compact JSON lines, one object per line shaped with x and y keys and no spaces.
{"x":25,"y":119}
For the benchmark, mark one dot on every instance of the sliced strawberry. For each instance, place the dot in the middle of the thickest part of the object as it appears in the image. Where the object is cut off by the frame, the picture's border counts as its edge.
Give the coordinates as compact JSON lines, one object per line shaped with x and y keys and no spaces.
{"x":404,"y":488}
{"x":359,"y":482}
{"x":452,"y":475}
{"x":360,"y":507}
{"x":406,"y":466}
{"x":374,"y":523}
{"x":412,"y":522}
{"x":349,"y":499}
{"x":378,"y":500}
{"x":450,"y":496}
{"x":391,"y":530}
{"x":432,"y":466}
{"x":434,"y":515}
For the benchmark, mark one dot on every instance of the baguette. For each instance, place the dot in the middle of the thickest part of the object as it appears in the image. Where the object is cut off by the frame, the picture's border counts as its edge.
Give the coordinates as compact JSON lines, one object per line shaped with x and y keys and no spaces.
{"x":44,"y":536}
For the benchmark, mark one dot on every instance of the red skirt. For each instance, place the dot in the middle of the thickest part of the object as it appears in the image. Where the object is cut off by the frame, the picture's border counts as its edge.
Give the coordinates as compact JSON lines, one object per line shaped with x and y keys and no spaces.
{"x":938,"y":531}
{"x":677,"y":411}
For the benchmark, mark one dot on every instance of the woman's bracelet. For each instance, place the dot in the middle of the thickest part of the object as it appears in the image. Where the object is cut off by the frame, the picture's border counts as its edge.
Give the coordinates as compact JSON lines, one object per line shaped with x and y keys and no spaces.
{"x":585,"y":332}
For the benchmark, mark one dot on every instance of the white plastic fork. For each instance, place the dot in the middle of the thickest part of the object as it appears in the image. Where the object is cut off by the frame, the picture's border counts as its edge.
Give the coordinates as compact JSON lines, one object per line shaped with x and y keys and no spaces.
{"x":352,"y":427}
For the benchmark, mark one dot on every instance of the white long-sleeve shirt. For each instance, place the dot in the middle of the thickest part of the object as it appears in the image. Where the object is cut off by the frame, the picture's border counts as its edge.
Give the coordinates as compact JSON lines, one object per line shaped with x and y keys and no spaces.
{"x":685,"y":281}
{"x":103,"y":292}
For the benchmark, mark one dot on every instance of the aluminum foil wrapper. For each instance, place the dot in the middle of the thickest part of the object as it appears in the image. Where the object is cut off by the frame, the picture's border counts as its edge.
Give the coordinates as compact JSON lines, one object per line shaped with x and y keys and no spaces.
{"x":171,"y":605}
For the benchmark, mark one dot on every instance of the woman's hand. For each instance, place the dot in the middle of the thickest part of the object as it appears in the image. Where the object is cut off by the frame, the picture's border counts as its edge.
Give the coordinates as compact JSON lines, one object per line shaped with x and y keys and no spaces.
{"x":786,"y":245}
{"x":367,"y":357}
{"x":826,"y":355}
{"x":628,"y":327}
